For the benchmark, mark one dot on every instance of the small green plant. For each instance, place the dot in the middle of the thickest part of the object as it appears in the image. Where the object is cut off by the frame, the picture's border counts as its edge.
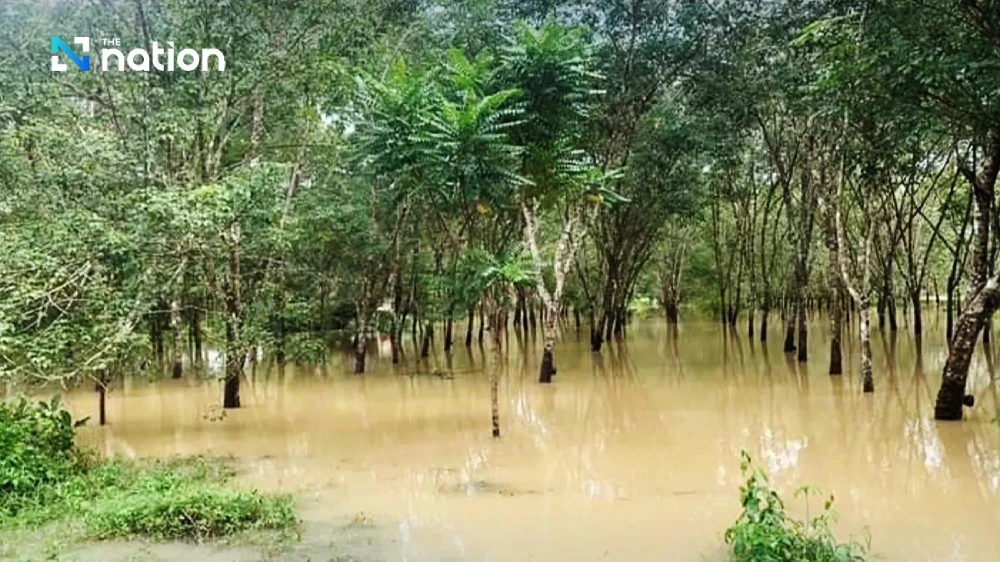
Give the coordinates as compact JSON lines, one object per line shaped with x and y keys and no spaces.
{"x":765,"y":533}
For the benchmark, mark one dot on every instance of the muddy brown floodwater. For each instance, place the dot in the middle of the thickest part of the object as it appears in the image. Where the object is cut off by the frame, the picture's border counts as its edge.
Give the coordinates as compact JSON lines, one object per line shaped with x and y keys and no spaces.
{"x":631,"y":455}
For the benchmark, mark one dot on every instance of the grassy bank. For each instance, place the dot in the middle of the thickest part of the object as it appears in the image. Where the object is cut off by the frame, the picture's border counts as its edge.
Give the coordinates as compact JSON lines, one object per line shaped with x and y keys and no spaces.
{"x":47,"y":482}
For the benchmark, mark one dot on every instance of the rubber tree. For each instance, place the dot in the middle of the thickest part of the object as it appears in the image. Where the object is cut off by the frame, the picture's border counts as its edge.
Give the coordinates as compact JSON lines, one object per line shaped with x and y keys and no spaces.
{"x":984,"y":288}
{"x":911,"y":57}
{"x":670,"y":267}
{"x":642,"y":49}
{"x":857,"y":282}
{"x":927,"y":191}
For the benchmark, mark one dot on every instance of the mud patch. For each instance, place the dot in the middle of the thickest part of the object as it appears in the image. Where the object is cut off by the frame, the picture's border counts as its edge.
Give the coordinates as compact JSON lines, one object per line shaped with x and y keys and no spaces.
{"x":484,"y":488}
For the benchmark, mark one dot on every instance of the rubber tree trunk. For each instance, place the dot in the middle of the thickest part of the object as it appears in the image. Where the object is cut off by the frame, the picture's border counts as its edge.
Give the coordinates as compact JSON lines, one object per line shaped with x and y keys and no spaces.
{"x":235,"y":357}
{"x":361,"y":343}
{"x":864,"y":327}
{"x":468,"y":327}
{"x":835,"y":302}
{"x":763,"y":323}
{"x":982,"y":301}
{"x":789,"y":346}
{"x":918,"y":317}
{"x":836,"y":329}
{"x":548,"y":368}
{"x":235,"y":349}
{"x":950,"y":313}
{"x":518,"y":309}
{"x":447,"y":334}
{"x":156,"y":336}
{"x":670,"y":307}
{"x":803,"y":336}
{"x":596,"y":333}
{"x":279,"y":323}
{"x":951,"y":395}
{"x":482,"y":325}
{"x":413,"y":331}
{"x":234,"y":369}
{"x":360,"y":353}
{"x":495,"y":374}
{"x":394,"y":337}
{"x":619,"y":329}
{"x":195,"y":329}
{"x":102,"y":392}
{"x":177,"y":337}
{"x":891,"y":312}
{"x":425,"y":346}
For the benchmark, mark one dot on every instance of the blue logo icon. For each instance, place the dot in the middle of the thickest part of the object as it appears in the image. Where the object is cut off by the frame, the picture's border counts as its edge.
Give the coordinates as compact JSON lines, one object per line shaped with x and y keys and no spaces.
{"x":82,"y":62}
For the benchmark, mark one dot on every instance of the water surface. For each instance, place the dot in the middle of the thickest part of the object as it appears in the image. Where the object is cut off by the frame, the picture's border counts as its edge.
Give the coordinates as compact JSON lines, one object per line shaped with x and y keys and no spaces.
{"x":631,"y":455}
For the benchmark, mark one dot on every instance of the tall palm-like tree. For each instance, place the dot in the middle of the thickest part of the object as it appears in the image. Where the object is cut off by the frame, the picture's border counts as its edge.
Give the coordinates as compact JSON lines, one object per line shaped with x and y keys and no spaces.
{"x":552,"y":66}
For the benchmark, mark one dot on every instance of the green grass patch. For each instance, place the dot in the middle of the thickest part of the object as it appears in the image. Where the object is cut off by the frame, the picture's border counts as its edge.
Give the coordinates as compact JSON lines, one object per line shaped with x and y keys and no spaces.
{"x":764,"y":532}
{"x":45,"y":479}
{"x":188,"y":512}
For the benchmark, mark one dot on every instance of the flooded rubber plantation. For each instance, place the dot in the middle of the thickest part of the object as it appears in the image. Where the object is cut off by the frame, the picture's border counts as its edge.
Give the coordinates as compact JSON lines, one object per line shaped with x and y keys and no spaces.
{"x":631,"y":454}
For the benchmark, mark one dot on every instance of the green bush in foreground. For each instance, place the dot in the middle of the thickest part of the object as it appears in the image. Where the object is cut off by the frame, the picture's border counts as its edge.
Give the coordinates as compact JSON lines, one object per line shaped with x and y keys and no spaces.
{"x":36,"y":450}
{"x":765,"y":533}
{"x":44,"y":478}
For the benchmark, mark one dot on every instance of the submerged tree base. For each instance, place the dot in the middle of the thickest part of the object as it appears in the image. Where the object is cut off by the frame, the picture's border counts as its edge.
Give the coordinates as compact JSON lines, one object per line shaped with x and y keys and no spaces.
{"x":548,"y":369}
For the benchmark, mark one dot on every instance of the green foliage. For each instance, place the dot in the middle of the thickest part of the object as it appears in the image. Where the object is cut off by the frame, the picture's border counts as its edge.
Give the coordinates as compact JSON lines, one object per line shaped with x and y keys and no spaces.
{"x":552,"y":66}
{"x":765,"y":533}
{"x":36,"y":450}
{"x":307,"y":348}
{"x":44,"y":478}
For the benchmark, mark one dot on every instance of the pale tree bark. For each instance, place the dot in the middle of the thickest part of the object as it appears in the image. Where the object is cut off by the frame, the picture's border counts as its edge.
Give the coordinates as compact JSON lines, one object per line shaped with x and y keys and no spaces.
{"x":177,"y":355}
{"x":495,"y":335}
{"x":565,"y":251}
{"x":365,"y":314}
{"x":860,"y":292}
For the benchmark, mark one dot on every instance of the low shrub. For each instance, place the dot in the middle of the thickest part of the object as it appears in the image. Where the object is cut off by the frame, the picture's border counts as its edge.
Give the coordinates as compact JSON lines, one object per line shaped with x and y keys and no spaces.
{"x":765,"y":533}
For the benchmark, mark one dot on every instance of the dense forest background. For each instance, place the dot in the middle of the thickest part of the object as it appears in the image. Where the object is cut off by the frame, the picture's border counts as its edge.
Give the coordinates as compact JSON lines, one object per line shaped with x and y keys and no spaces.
{"x":412,"y":168}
